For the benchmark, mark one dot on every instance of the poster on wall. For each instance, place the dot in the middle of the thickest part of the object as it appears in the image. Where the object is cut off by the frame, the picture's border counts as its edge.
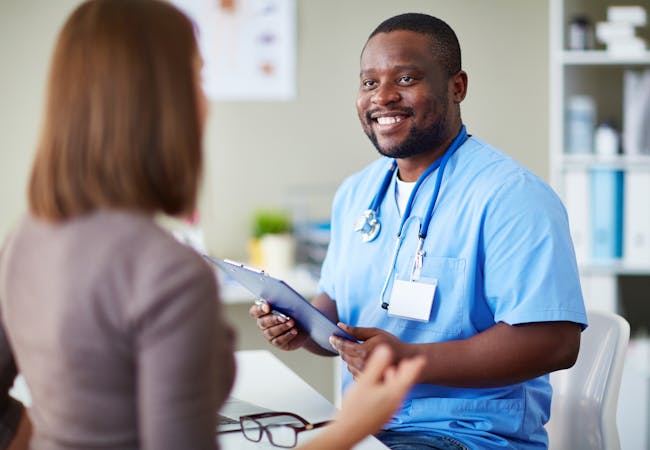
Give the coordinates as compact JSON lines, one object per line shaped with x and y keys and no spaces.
{"x":248,"y":47}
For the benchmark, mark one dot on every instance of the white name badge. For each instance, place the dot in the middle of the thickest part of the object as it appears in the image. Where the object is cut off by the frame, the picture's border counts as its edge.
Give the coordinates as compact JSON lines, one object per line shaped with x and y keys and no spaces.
{"x":412,"y":299}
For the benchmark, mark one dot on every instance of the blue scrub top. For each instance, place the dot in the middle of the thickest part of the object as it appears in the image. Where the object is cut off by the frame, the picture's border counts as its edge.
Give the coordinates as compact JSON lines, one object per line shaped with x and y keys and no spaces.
{"x":500,"y":249}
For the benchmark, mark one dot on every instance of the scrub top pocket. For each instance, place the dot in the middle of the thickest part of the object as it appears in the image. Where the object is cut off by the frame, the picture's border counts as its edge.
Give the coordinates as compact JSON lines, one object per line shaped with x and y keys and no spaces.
{"x":448,"y":303}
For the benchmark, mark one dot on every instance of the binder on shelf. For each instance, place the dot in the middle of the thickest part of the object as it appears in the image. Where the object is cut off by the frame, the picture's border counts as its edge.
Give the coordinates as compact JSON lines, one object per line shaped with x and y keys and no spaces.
{"x":576,"y":201}
{"x":636,"y":223}
{"x":606,"y":212}
{"x":636,"y":112}
{"x":600,"y":291}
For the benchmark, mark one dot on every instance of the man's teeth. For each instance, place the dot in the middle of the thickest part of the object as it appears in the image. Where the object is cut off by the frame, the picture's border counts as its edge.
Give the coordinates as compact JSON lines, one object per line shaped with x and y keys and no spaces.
{"x":388,"y":120}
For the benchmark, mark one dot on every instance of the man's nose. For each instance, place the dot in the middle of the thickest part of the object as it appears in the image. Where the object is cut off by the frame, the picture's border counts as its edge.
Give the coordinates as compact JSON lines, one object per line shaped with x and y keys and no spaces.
{"x":385,"y":94}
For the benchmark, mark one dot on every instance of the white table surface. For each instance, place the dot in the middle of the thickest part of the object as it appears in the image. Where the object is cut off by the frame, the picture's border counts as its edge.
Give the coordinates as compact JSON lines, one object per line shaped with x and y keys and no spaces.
{"x":263,"y":379}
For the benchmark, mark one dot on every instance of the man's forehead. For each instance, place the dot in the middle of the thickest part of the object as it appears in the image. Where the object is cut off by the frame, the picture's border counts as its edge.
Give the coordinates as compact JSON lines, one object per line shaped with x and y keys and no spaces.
{"x":400,"y":35}
{"x":399,"y":47}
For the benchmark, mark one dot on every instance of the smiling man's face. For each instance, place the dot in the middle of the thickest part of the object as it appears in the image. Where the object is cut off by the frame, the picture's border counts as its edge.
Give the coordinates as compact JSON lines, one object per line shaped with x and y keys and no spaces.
{"x":403,"y":100}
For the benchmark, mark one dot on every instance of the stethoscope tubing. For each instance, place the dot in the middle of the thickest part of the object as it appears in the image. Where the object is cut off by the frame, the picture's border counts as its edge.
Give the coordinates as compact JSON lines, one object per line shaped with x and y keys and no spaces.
{"x":440,"y":163}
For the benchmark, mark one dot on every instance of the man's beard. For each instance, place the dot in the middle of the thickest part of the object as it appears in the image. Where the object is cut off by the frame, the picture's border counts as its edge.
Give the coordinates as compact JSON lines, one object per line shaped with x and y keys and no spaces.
{"x":418,"y":141}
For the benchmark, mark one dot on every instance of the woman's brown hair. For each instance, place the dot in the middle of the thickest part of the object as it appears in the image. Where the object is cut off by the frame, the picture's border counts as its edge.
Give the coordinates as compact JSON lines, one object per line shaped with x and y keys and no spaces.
{"x":121,"y":127}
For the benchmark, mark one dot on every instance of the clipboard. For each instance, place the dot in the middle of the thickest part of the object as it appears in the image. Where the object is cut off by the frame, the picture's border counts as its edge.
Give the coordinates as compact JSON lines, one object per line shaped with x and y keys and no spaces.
{"x":283,"y":299}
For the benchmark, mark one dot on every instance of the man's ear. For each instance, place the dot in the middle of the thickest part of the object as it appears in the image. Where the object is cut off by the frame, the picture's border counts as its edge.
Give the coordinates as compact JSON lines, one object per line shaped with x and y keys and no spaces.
{"x":458,"y":86}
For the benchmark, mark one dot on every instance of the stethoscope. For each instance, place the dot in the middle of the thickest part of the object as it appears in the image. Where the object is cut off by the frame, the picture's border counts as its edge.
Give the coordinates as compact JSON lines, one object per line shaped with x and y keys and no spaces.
{"x":369,"y":225}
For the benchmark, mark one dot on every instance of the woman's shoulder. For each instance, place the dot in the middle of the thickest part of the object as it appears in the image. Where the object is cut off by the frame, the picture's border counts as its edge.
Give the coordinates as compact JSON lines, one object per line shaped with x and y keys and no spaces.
{"x":162,"y":273}
{"x":140,"y":240}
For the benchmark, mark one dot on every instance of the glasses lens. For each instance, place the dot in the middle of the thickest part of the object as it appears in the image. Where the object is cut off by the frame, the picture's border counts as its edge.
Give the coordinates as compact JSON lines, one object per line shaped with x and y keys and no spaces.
{"x":282,"y":435}
{"x":251,"y":429}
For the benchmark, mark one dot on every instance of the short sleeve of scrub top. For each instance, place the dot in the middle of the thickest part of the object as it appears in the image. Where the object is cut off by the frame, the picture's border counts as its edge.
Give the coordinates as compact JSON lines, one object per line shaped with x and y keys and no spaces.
{"x":533,"y":237}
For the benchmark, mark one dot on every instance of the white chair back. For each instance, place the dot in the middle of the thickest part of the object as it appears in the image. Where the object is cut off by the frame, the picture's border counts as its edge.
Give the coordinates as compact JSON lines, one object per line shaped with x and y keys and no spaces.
{"x":583,"y":409}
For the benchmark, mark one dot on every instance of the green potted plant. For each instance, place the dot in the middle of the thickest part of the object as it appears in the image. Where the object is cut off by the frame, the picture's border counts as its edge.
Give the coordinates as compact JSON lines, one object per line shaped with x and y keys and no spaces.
{"x":270,"y":221}
{"x":272,"y":246}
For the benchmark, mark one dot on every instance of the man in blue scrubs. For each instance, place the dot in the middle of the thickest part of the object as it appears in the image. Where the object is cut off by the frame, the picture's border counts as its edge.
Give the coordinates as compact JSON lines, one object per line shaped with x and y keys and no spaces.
{"x":473,"y":265}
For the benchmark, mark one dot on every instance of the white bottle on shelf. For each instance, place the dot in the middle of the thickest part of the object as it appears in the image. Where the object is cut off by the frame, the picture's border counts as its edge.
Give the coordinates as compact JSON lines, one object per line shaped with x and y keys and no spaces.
{"x":580,"y":123}
{"x":606,"y":139}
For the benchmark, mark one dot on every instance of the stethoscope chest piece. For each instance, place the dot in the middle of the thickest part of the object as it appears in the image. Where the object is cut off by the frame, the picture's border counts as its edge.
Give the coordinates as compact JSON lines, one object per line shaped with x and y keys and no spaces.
{"x":368,"y":225}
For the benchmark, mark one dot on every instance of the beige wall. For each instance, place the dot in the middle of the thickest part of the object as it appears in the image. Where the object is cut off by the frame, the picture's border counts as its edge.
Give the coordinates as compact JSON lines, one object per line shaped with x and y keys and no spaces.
{"x":27,"y":33}
{"x":258,"y":152}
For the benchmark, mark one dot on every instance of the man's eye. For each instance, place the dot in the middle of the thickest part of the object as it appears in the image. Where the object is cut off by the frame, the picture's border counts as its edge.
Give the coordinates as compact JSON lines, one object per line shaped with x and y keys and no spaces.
{"x":406,"y":79}
{"x":369,"y":83}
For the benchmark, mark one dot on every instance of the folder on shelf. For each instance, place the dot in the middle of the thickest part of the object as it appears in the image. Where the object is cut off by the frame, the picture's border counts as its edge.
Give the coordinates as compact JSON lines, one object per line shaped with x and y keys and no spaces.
{"x":636,"y":223}
{"x":606,"y":211}
{"x":636,"y":112}
{"x":576,"y":201}
{"x":600,"y":291}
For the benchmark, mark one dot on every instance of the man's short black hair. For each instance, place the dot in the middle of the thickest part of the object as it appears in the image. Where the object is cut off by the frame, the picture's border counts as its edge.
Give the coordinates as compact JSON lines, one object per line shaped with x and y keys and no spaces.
{"x":445,"y":42}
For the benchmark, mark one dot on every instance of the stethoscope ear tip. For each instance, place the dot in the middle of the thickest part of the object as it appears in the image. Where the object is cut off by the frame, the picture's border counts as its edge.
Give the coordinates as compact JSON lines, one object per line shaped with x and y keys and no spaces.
{"x":384,"y":305}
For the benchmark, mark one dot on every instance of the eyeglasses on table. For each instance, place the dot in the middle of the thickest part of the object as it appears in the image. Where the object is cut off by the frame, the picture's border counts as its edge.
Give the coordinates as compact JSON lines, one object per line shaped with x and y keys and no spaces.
{"x":281,"y":428}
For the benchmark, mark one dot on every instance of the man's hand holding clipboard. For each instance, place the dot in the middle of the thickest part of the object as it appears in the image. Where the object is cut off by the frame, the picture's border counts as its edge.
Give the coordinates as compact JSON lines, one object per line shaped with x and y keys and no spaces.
{"x":290,"y":309}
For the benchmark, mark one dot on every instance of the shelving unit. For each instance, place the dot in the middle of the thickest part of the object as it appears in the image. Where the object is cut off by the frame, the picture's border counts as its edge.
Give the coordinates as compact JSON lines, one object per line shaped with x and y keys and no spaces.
{"x":616,"y":284}
{"x":601,"y":58}
{"x":599,"y":74}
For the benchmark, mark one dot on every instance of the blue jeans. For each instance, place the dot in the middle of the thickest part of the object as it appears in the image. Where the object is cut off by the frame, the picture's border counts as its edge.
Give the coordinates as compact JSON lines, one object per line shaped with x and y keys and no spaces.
{"x":398,"y":440}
